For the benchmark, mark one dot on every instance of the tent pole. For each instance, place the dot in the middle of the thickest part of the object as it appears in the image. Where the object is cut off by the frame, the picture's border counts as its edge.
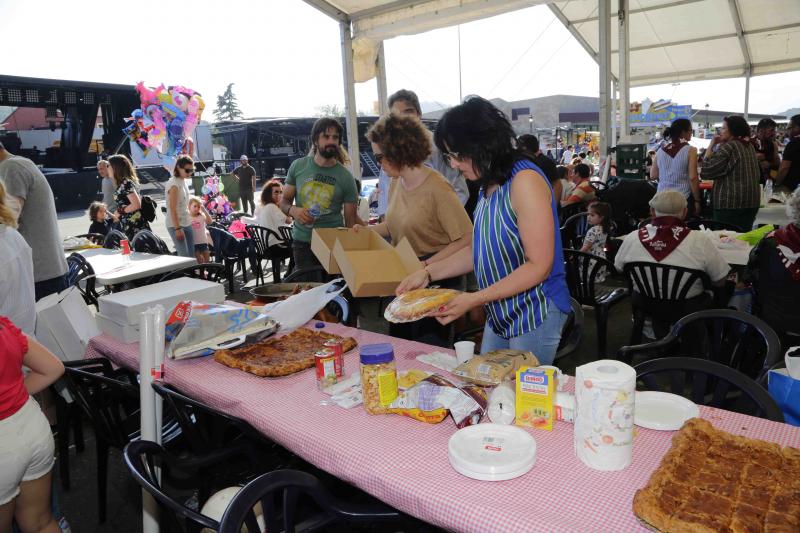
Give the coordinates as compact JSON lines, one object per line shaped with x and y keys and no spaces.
{"x":351,"y":116}
{"x":624,"y":69}
{"x":747,"y":95}
{"x":383,"y":92}
{"x":614,"y":103}
{"x":604,"y":62}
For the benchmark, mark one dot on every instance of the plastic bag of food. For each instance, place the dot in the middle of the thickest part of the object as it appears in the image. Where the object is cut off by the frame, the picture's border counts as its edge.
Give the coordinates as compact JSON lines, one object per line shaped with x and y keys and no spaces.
{"x":416,"y":304}
{"x":491,"y":369}
{"x":432,"y":398}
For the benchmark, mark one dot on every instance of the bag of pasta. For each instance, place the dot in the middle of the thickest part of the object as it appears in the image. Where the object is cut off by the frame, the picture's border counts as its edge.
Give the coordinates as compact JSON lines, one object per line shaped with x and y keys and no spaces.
{"x":417,"y":304}
{"x":434,"y":397}
{"x":492,"y":368}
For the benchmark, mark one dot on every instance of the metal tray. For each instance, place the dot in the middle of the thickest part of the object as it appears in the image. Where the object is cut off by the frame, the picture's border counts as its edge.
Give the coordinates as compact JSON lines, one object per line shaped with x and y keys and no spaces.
{"x":275,"y":291}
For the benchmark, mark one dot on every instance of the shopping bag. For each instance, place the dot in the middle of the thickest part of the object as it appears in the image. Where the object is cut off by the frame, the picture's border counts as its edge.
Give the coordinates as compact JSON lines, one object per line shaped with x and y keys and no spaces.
{"x":299,"y":308}
{"x":784,"y":387}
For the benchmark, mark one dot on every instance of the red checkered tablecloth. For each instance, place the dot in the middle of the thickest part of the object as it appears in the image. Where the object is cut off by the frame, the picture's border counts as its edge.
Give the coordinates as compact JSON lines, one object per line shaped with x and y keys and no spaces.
{"x":404,"y":462}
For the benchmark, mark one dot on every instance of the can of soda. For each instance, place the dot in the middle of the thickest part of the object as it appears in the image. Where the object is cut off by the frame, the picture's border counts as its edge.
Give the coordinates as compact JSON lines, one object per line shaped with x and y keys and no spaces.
{"x":126,"y":246}
{"x":335,"y":345}
{"x":328,"y":367}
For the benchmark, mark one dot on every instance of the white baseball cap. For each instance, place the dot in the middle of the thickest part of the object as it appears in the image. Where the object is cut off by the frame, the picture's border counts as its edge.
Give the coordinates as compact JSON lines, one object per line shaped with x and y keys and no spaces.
{"x":243,"y":158}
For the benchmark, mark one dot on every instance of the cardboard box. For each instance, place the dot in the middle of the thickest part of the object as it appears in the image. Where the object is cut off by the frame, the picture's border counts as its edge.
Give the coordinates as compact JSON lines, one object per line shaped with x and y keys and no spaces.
{"x":372,"y":267}
{"x":64,"y":324}
{"x":126,"y":306}
{"x":322,"y":243}
{"x":126,"y":333}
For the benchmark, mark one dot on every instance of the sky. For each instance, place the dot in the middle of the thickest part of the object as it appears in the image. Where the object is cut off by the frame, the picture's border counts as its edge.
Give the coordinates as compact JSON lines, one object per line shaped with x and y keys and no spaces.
{"x":284,"y":56}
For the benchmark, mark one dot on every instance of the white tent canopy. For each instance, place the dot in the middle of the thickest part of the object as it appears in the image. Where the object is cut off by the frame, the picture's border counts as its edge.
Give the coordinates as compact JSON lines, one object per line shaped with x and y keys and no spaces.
{"x":666,"y":40}
{"x":684,"y":40}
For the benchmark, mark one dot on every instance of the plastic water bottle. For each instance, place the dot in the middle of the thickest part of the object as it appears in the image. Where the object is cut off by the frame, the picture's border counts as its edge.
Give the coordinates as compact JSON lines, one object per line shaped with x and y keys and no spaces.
{"x":767,"y":191}
{"x":315,"y":211}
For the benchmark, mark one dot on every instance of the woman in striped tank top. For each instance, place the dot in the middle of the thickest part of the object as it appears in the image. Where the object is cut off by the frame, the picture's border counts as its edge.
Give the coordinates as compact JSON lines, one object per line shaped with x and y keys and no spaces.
{"x":675,"y":167}
{"x":516,"y":247}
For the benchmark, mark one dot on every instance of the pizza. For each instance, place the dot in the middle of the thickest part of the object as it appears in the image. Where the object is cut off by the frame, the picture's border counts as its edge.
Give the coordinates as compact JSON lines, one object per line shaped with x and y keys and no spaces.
{"x":280,"y":356}
{"x":713,"y":481}
{"x":417,"y":304}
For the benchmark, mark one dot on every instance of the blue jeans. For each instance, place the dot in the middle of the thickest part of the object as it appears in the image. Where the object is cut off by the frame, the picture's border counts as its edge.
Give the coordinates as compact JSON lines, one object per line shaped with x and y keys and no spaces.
{"x":185,"y":248}
{"x":49,"y":286}
{"x":542,"y":341}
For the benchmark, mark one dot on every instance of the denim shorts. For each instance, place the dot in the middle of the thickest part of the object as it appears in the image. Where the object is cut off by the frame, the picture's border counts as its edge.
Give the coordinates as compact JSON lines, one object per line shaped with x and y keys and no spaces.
{"x":542,"y":341}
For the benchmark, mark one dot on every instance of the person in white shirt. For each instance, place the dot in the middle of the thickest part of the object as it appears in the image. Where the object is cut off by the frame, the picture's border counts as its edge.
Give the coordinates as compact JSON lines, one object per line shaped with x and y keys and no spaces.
{"x":566,"y":157}
{"x":667,"y":240}
{"x":267,"y":214}
{"x":16,"y":272}
{"x":179,"y":220}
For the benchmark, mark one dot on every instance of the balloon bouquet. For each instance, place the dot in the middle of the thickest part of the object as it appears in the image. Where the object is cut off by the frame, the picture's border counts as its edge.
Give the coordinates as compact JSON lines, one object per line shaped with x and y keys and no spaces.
{"x":165,"y":121}
{"x":215,"y":201}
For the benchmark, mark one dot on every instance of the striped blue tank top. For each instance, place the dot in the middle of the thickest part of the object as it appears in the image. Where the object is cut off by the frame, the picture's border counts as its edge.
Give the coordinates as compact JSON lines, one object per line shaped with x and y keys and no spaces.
{"x":497,"y":251}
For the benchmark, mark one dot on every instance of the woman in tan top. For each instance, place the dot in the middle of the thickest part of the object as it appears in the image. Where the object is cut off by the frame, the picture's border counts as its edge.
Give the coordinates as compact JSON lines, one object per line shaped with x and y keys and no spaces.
{"x":423,"y":207}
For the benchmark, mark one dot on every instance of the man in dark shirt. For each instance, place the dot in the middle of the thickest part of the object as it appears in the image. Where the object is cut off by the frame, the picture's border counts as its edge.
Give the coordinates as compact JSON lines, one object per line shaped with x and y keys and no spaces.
{"x":530,"y":144}
{"x":789,"y":171}
{"x":246,"y":175}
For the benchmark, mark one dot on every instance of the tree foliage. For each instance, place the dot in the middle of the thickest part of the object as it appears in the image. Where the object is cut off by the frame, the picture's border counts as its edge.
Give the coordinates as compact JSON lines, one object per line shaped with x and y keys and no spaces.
{"x":227,"y":108}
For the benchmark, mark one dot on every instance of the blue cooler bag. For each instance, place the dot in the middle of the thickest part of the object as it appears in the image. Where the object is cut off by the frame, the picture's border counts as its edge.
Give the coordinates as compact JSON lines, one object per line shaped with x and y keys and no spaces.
{"x":785,"y":390}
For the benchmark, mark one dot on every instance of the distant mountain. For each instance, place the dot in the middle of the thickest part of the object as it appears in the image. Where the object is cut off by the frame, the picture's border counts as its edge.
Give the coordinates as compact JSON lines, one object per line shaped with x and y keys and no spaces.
{"x":789,"y":112}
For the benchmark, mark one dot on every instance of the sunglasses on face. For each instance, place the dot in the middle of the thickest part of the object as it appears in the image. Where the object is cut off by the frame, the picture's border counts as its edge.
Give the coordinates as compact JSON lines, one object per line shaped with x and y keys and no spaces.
{"x":188,"y":170}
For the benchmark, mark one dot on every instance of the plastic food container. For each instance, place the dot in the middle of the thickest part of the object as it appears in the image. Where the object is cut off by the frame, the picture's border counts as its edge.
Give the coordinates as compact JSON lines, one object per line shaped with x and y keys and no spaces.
{"x":378,"y":377}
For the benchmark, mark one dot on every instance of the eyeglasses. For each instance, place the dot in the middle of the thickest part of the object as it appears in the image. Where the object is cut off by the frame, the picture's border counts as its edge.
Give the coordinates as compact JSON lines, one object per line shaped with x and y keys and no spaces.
{"x":277,"y":191}
{"x":379,"y":158}
{"x":188,"y":170}
{"x":453,"y":156}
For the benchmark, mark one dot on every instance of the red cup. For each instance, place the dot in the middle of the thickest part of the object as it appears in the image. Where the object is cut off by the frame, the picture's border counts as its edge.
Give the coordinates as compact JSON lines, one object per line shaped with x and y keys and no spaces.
{"x":126,"y":246}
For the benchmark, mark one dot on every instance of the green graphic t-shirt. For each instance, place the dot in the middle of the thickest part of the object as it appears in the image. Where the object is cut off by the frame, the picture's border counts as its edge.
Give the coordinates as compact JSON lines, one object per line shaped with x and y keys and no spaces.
{"x":327,"y":187}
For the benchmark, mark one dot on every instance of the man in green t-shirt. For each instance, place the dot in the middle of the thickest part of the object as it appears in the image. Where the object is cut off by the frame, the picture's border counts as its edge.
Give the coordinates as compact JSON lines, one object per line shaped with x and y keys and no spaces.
{"x":319,"y":186}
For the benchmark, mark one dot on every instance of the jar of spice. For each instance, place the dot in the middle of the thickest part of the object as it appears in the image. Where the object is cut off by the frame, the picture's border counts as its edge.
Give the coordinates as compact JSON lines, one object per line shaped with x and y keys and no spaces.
{"x":378,"y":377}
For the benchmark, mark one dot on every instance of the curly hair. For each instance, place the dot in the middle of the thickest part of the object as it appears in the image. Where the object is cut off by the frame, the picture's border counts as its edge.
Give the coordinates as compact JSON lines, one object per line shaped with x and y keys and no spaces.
{"x":266,"y":192}
{"x":122,"y":169}
{"x":405,"y":141}
{"x":94,"y":208}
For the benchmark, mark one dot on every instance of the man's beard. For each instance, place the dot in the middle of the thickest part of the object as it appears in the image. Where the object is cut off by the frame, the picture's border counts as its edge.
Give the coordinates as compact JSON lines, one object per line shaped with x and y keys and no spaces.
{"x":328,"y":151}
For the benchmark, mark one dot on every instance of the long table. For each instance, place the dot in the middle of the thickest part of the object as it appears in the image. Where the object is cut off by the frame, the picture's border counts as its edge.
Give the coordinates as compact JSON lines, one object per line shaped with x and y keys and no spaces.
{"x":111,"y":269}
{"x":404,"y":462}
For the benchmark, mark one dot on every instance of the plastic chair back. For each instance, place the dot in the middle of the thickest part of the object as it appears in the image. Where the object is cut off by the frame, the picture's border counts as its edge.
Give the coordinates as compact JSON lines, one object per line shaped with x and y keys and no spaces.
{"x":148,"y":242}
{"x":113,"y":239}
{"x":713,"y":225}
{"x":79,"y":270}
{"x":659,"y":281}
{"x":574,"y":230}
{"x":582,"y":269}
{"x":708,"y":383}
{"x":280,"y":493}
{"x":209,"y":271}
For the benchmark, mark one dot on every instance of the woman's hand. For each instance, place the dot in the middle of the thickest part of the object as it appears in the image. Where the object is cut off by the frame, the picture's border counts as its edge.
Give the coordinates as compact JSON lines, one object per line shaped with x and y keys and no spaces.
{"x":357,"y":227}
{"x":303,"y":216}
{"x":415,"y":280}
{"x":458,"y":306}
{"x":179,"y":234}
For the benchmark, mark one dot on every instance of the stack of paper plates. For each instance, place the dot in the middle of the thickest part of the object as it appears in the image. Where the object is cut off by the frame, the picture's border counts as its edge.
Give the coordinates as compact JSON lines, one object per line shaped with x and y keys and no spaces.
{"x":492,"y":452}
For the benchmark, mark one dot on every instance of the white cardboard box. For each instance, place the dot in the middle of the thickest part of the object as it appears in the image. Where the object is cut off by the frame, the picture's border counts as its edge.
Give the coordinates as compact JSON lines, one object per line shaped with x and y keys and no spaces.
{"x":64,"y":324}
{"x":123,"y":332}
{"x":124,"y":307}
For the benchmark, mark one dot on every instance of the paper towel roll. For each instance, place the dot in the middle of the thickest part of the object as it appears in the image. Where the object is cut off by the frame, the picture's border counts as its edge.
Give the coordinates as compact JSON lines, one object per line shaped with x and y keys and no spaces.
{"x":501,"y":405}
{"x":604,"y":396}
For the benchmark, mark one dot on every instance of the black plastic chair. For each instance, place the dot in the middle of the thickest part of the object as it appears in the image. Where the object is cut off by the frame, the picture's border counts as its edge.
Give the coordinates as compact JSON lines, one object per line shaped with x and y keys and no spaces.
{"x":110,"y":398}
{"x":148,"y":242}
{"x":733,"y":338}
{"x":286,"y":234}
{"x":776,"y":293}
{"x":95,"y":238}
{"x":574,"y":230}
{"x":229,"y":251}
{"x":142,"y":457}
{"x":708,"y":383}
{"x":600,"y":187}
{"x":570,"y":210}
{"x":79,"y":271}
{"x":209,"y":271}
{"x":582,"y":270}
{"x":713,"y":225}
{"x":661,"y":291}
{"x":280,"y":494}
{"x":113,"y":238}
{"x":275,"y":253}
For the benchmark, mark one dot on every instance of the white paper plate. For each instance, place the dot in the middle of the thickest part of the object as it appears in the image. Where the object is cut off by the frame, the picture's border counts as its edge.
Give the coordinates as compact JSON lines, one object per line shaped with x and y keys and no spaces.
{"x":662,"y":410}
{"x":492,"y":452}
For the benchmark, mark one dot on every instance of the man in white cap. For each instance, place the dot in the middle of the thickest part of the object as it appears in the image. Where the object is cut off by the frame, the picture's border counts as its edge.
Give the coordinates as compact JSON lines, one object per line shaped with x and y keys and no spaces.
{"x":246,"y":175}
{"x":667,"y":240}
